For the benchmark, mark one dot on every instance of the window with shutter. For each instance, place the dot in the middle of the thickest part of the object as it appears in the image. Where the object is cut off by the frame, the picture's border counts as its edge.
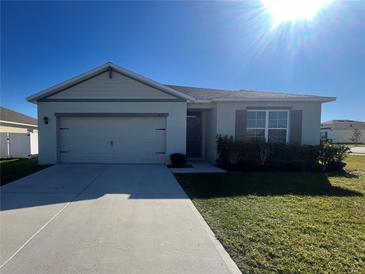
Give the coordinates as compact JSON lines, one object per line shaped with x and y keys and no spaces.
{"x":268,"y":125}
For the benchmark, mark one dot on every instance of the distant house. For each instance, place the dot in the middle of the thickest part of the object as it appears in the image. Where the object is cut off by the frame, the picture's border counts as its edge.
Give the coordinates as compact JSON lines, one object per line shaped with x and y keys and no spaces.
{"x":342,"y":131}
{"x":15,"y":122}
{"x":18,"y":134}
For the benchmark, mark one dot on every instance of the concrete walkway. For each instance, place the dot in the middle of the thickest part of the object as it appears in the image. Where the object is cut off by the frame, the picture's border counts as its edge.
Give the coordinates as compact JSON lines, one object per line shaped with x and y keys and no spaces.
{"x":105,"y":219}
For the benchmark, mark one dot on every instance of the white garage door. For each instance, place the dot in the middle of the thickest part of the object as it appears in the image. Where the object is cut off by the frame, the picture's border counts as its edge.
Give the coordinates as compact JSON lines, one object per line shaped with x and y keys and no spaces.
{"x":112,"y":139}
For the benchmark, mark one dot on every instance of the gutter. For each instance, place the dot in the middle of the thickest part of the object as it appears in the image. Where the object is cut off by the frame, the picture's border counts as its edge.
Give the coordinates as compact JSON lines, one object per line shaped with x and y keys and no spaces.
{"x":20,"y":124}
{"x":314,"y":99}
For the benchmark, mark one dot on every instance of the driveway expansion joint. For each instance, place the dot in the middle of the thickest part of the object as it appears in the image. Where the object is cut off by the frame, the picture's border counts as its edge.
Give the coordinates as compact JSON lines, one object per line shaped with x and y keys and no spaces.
{"x":48,"y":222}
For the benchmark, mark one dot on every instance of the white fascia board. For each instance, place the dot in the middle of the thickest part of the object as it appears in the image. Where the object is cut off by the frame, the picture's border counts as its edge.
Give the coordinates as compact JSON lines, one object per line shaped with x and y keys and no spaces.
{"x":19,"y":124}
{"x":46,"y":92}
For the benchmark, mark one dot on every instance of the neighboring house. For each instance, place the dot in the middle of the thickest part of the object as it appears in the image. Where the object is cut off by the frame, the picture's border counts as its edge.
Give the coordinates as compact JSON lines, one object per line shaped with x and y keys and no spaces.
{"x":342,"y":131}
{"x":15,"y":122}
{"x":112,"y":115}
{"x":18,"y":134}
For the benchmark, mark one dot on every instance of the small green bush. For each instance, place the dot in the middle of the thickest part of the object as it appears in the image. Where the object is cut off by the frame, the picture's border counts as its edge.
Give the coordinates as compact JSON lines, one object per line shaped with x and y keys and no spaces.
{"x":178,"y":159}
{"x":332,"y":156}
{"x":238,"y":156}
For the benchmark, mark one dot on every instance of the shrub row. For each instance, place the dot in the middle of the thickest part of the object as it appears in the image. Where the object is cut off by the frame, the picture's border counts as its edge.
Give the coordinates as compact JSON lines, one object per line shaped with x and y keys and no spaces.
{"x":239,"y":156}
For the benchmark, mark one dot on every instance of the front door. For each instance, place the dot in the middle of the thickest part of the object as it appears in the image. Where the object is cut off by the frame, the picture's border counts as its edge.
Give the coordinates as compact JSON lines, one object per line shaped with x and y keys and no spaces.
{"x":194,"y":134}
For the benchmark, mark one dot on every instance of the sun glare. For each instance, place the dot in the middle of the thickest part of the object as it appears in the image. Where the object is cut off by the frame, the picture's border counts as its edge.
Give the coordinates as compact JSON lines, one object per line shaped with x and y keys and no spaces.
{"x":292,"y":10}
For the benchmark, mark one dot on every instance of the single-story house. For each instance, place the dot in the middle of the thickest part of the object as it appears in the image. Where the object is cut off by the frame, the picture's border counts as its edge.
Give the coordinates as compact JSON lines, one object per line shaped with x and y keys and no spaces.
{"x":113,"y":115}
{"x":342,"y":131}
{"x":15,"y":122}
{"x":18,"y":135}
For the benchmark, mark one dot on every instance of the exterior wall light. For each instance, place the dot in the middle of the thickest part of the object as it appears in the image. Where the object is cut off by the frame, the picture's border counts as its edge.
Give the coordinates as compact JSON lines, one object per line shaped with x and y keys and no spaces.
{"x":45,"y":119}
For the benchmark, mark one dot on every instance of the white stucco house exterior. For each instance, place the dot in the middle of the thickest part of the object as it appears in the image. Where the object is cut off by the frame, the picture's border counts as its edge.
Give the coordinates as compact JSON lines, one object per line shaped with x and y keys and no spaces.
{"x":113,"y":115}
{"x":342,"y":131}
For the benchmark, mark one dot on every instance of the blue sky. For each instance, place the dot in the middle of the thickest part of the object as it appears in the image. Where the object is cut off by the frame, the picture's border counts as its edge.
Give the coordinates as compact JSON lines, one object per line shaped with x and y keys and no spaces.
{"x":229,"y":45}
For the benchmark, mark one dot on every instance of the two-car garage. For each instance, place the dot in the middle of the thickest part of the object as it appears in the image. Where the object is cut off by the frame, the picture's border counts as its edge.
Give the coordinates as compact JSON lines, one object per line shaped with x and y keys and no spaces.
{"x":112,"y":139}
{"x":110,"y":115}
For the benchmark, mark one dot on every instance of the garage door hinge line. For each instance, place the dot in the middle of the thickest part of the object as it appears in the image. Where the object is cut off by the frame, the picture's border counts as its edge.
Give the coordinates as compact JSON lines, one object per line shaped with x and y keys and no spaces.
{"x":50,"y":220}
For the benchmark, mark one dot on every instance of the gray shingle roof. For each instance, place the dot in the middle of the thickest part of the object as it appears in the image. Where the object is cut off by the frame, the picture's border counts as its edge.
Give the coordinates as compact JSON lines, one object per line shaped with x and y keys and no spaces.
{"x":343,"y":124}
{"x":214,"y":94}
{"x":16,"y":117}
{"x":201,"y":93}
{"x":190,"y":94}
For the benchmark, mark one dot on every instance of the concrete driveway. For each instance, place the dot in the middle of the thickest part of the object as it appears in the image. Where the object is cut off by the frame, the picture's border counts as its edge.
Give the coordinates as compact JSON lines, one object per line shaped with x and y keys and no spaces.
{"x":105,"y":219}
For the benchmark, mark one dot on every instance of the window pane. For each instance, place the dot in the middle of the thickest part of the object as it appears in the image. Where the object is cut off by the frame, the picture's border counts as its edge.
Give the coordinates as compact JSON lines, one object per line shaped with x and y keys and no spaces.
{"x":273,"y":123}
{"x":260,"y":123}
{"x":277,"y":136}
{"x":251,"y":115}
{"x":256,"y":134}
{"x":282,"y":123}
{"x":282,"y":115}
{"x":256,"y":119}
{"x":273,"y":115}
{"x":261,"y":115}
{"x":278,"y":119}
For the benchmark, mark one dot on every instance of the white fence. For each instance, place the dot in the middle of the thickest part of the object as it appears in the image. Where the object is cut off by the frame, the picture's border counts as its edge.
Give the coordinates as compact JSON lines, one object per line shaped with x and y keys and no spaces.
{"x":18,"y":145}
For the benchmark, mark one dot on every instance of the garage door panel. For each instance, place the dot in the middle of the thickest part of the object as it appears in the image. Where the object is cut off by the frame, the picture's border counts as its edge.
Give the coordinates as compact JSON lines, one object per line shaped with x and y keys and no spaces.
{"x":112,"y":139}
{"x":110,"y":158}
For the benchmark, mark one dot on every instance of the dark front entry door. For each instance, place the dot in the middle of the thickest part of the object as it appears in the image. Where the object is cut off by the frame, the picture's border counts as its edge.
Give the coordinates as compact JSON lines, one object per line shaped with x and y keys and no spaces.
{"x":194,"y":134}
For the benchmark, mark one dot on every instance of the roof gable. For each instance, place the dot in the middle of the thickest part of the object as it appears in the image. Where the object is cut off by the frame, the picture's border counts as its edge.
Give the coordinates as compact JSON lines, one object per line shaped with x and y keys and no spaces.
{"x":109,"y":80}
{"x":111,"y":85}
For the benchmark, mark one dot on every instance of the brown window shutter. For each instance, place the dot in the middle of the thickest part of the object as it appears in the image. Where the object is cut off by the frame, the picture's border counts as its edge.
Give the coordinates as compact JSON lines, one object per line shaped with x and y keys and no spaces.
{"x":241,"y":125}
{"x":295,"y":134}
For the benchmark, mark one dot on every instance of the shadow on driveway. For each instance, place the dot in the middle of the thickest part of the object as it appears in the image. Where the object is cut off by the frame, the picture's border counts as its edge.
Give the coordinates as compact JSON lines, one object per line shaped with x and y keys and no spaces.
{"x":66,"y":183}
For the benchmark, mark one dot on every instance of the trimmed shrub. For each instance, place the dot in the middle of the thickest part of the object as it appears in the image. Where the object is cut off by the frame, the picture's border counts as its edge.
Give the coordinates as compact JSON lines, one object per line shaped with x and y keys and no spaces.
{"x":240,"y":156}
{"x":332,"y":156}
{"x":294,"y":157}
{"x":178,"y":159}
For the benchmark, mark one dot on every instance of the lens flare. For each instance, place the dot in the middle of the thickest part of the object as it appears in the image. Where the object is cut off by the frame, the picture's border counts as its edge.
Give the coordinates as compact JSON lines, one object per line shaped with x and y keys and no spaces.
{"x":293,"y":10}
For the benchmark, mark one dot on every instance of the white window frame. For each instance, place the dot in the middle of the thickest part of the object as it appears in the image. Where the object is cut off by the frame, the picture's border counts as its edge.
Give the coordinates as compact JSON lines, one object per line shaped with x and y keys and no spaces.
{"x":267,"y":122}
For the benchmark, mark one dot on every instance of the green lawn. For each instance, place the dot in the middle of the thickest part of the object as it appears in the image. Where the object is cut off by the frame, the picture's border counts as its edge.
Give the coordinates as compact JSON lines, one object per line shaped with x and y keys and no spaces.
{"x":12,"y":169}
{"x":286,"y":222}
